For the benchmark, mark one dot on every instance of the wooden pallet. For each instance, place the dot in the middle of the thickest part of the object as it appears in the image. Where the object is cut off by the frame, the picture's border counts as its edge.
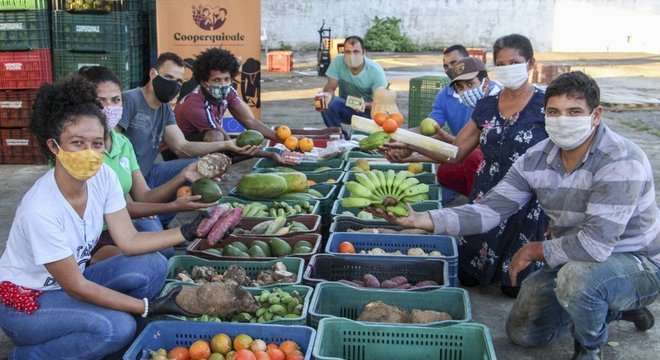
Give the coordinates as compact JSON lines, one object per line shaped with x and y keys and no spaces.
{"x":622,"y":99}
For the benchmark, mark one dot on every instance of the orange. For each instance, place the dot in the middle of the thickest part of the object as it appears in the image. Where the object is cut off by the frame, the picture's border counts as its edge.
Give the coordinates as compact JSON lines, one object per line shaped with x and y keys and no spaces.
{"x":311,"y":182}
{"x":390,"y":125}
{"x":291,"y":143}
{"x":242,"y":342}
{"x":330,"y":181}
{"x":199,"y":350}
{"x":379,"y":118}
{"x":306,"y":144}
{"x":230,"y":355}
{"x":276,"y":354}
{"x":261,"y":355}
{"x":184,"y":191}
{"x":272,"y":346}
{"x":179,"y":353}
{"x":346,"y":248}
{"x":295,"y":355}
{"x":221,"y":343}
{"x":398,"y":117}
{"x":244,"y":354}
{"x":289,"y":346}
{"x":216,"y":356}
{"x":283,"y":132}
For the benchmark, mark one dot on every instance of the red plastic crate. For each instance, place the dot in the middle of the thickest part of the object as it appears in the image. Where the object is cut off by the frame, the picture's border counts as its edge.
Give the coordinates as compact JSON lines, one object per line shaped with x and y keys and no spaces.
{"x":25,"y":69}
{"x":479,"y":53}
{"x":280,"y":61}
{"x":16,"y":107}
{"x":19,"y":146}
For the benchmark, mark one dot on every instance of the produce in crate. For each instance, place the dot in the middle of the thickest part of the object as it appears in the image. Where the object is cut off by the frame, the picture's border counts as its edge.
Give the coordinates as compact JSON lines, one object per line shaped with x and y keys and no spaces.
{"x":241,"y":347}
{"x":275,"y":247}
{"x":414,"y":251}
{"x":225,"y":224}
{"x":271,"y":185}
{"x":397,"y":282}
{"x":236,"y":274}
{"x":379,"y":311}
{"x":216,"y":299}
{"x":277,"y":226}
{"x":213,"y":165}
{"x":377,"y":230}
{"x":279,"y":208}
{"x":388,"y":190}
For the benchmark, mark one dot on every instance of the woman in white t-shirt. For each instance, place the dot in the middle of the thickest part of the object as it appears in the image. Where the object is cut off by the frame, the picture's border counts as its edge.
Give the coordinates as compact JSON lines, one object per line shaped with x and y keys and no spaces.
{"x":53,"y":304}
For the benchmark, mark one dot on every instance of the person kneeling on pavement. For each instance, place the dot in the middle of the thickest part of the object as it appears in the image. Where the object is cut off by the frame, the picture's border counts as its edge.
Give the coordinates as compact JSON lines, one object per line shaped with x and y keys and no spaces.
{"x":603,"y":257}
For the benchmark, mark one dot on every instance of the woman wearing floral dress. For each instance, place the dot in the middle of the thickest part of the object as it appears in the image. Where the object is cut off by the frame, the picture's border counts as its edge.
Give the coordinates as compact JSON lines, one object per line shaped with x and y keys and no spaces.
{"x":504,"y":126}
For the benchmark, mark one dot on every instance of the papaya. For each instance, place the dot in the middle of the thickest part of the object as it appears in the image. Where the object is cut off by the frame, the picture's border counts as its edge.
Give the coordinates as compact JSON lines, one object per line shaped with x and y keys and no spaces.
{"x":295,"y":181}
{"x":207,"y":188}
{"x":263,"y":185}
{"x":249,"y":137}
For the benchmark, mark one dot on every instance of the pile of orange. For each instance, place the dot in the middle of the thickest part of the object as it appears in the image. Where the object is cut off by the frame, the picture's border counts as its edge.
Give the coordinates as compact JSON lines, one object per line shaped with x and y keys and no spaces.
{"x":242,"y":347}
{"x":291,"y":142}
{"x":388,"y":121}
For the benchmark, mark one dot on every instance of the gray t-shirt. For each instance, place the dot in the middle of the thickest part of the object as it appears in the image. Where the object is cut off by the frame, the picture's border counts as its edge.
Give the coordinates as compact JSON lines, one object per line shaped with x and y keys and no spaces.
{"x":144,"y":126}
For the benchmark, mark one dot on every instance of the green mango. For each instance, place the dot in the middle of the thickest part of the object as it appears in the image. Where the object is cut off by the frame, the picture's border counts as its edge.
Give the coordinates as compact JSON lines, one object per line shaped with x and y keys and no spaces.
{"x":303,"y":243}
{"x":256,"y":252}
{"x":231,"y":250}
{"x":427,"y":127}
{"x":207,"y":188}
{"x":240,"y":246}
{"x":302,"y":250}
{"x":262,"y":244}
{"x":249,"y":137}
{"x":279,"y":247}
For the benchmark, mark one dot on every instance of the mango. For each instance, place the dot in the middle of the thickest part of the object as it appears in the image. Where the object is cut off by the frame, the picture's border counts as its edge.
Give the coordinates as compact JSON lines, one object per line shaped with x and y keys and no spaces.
{"x":279,"y":247}
{"x":427,"y":127}
{"x":249,"y":137}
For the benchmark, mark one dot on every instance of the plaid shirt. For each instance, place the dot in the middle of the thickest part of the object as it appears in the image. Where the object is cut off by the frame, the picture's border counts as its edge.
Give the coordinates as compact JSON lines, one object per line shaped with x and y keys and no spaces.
{"x":607,"y":204}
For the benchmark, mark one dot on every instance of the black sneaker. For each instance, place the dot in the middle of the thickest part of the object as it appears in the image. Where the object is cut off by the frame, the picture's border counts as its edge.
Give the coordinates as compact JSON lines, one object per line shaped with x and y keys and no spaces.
{"x":582,"y":353}
{"x":642,"y":318}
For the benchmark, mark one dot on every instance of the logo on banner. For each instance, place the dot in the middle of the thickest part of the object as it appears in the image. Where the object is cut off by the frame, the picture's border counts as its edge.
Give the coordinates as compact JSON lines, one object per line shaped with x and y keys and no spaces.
{"x":209,"y":17}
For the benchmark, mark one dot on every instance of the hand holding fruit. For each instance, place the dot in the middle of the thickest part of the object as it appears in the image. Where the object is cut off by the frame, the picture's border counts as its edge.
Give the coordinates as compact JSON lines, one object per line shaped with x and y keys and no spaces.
{"x":166,"y":305}
{"x":419,"y":220}
{"x":248,"y":150}
{"x":190,"y":203}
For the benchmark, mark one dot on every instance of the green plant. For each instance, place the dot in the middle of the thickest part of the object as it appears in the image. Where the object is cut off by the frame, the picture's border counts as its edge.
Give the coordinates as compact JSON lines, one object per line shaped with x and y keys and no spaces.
{"x":284,"y":46}
{"x":385,"y":35}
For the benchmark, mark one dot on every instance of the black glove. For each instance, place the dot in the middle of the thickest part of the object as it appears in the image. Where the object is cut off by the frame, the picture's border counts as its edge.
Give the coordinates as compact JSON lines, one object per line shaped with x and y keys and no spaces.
{"x":189,"y":230}
{"x":166,"y":305}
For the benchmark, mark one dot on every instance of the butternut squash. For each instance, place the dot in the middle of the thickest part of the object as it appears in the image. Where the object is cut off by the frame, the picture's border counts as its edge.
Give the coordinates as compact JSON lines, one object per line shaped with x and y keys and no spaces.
{"x":384,"y":101}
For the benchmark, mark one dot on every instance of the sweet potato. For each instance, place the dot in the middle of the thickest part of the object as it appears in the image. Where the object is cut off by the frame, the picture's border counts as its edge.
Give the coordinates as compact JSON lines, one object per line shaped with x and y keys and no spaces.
{"x":428,"y":316}
{"x":227,"y":222}
{"x":399,"y":280}
{"x":388,"y":284}
{"x":426,"y":283}
{"x":207,"y":223}
{"x":378,"y":311}
{"x":371,"y":281}
{"x":217,"y":299}
{"x":404,"y":286}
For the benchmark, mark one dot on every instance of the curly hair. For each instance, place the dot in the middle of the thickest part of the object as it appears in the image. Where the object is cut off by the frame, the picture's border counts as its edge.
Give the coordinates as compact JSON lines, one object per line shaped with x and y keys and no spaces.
{"x":214,"y":59}
{"x":59,"y":104}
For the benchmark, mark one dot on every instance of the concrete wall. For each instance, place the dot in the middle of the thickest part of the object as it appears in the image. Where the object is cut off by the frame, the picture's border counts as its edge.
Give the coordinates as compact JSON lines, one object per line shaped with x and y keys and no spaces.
{"x":552,"y":25}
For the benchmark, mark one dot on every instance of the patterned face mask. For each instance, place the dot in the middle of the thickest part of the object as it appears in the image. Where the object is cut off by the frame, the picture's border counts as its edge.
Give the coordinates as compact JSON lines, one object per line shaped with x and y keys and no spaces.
{"x":470,"y":97}
{"x":112,"y":115}
{"x":81,"y":165}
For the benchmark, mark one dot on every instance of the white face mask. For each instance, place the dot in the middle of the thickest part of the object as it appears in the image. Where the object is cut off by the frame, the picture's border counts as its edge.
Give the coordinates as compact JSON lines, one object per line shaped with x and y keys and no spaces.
{"x":353,"y":61}
{"x":512,"y":76}
{"x":112,"y":115}
{"x":568,"y":132}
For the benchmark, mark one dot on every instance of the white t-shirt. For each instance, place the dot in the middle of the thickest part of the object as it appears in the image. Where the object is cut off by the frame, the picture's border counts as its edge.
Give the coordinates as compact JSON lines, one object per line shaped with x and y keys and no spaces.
{"x":46,"y":228}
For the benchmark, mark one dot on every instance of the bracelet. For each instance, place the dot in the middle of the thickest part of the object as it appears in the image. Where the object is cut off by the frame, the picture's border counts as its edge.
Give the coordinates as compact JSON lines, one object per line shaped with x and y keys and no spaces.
{"x":146,"y":307}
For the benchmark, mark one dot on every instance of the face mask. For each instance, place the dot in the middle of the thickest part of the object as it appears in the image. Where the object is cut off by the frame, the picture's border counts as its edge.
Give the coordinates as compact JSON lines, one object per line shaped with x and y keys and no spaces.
{"x":470,"y":97}
{"x":81,"y":165}
{"x":112,"y":115}
{"x":165,"y":89}
{"x":568,"y":132}
{"x":219,"y":92}
{"x":512,"y":76}
{"x":353,"y":61}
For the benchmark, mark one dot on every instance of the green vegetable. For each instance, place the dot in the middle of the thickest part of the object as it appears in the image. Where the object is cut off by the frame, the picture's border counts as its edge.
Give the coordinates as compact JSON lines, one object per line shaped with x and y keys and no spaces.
{"x":249,"y":137}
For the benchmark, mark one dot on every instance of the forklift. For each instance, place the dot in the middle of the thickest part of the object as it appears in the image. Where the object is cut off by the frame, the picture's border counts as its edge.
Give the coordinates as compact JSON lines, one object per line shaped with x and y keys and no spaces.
{"x":323,"y":53}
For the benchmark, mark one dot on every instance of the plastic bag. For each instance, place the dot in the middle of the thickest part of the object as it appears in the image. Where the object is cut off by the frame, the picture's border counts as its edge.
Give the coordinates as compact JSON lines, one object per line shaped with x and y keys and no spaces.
{"x":337,"y":149}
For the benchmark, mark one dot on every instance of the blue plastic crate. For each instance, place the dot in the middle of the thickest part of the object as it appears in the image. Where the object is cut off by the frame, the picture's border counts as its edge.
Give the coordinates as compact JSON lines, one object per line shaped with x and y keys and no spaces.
{"x":446,"y":245}
{"x":434,"y":194}
{"x":344,"y":223}
{"x":332,"y":299}
{"x":338,"y":209}
{"x":170,"y":334}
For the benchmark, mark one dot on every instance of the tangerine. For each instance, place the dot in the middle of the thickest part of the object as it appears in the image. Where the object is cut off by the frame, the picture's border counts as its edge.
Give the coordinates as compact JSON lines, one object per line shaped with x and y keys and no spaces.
{"x":221,"y":343}
{"x":283,"y":132}
{"x":261,"y":355}
{"x":242,"y":342}
{"x":379,"y":118}
{"x":390,"y":125}
{"x":306,"y":144}
{"x":295,"y":355}
{"x":398,"y":117}
{"x":291,"y":143}
{"x":272,"y":346}
{"x":199,"y":350}
{"x":179,"y":353}
{"x":346,"y":248}
{"x":276,"y":354}
{"x":184,"y":191}
{"x":244,"y":354}
{"x":289,"y":345}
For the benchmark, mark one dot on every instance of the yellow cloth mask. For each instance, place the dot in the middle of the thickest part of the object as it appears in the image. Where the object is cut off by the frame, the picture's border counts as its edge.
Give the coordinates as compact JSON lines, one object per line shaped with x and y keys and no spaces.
{"x":83,"y":164}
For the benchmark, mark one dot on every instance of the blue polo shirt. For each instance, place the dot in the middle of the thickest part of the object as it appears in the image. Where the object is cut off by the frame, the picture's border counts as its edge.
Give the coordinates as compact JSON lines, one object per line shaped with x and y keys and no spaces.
{"x":448,"y":109}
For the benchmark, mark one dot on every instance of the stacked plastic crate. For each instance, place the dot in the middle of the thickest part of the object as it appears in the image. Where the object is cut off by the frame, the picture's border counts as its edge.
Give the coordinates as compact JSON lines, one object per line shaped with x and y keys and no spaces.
{"x":25,"y":63}
{"x":99,"y":32}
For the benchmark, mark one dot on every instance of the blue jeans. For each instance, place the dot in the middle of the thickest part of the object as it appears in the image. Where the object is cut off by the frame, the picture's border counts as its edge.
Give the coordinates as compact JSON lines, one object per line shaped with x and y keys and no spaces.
{"x":66,"y":328}
{"x":338,"y":113}
{"x":581,"y":297}
{"x":152,"y":223}
{"x":160,"y":174}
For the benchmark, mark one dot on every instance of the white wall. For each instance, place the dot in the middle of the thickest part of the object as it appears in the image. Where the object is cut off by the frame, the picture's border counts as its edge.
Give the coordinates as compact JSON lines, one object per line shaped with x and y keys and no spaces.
{"x":552,"y":25}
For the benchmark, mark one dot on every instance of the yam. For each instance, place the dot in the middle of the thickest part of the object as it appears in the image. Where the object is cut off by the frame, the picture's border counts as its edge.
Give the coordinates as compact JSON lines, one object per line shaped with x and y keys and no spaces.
{"x":428,"y":316}
{"x":371,"y":281}
{"x":399,"y":280}
{"x":388,"y":284}
{"x":426,"y":283}
{"x":216,"y":299}
{"x":378,"y":311}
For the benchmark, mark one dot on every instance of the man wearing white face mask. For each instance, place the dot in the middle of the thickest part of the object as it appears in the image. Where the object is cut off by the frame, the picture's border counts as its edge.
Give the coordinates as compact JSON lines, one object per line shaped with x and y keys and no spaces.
{"x":355,"y":75}
{"x":603,"y":257}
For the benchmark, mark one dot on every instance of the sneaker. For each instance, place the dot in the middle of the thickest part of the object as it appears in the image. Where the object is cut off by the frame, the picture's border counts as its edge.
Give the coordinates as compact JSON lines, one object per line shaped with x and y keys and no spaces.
{"x":582,"y":353}
{"x":642,"y":318}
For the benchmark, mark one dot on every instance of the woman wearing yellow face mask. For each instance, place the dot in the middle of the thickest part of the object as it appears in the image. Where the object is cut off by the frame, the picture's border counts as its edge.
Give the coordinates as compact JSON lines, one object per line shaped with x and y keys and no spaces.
{"x":53,"y":304}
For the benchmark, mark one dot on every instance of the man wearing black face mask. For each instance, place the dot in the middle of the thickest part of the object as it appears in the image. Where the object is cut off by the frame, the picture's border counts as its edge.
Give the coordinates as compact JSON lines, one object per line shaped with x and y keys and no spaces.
{"x":199,"y":114}
{"x":147,"y":119}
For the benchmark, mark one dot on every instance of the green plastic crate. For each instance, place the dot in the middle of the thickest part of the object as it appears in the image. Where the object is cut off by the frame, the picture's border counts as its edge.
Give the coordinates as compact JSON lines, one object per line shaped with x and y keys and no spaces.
{"x":354,"y":155}
{"x":421,"y":95}
{"x":232,"y":199}
{"x":333,"y":164}
{"x":97,"y":6}
{"x":305,"y":291}
{"x":116,"y":31}
{"x":338,"y":209}
{"x":17,"y":5}
{"x":24,"y":30}
{"x":252,"y":268}
{"x":137,"y":65}
{"x":338,"y":339}
{"x":332,"y":299}
{"x":67,"y":63}
{"x":435,"y":193}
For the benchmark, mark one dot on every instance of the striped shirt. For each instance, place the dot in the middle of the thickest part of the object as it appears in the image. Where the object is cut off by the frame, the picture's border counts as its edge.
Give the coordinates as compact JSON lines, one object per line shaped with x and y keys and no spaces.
{"x":607,"y":204}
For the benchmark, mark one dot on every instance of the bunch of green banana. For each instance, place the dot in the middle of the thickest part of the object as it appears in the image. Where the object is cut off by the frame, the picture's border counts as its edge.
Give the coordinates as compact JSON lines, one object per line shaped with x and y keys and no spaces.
{"x":279,"y":208}
{"x":389,"y":190}
{"x":311,"y":194}
{"x":277,"y":226}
